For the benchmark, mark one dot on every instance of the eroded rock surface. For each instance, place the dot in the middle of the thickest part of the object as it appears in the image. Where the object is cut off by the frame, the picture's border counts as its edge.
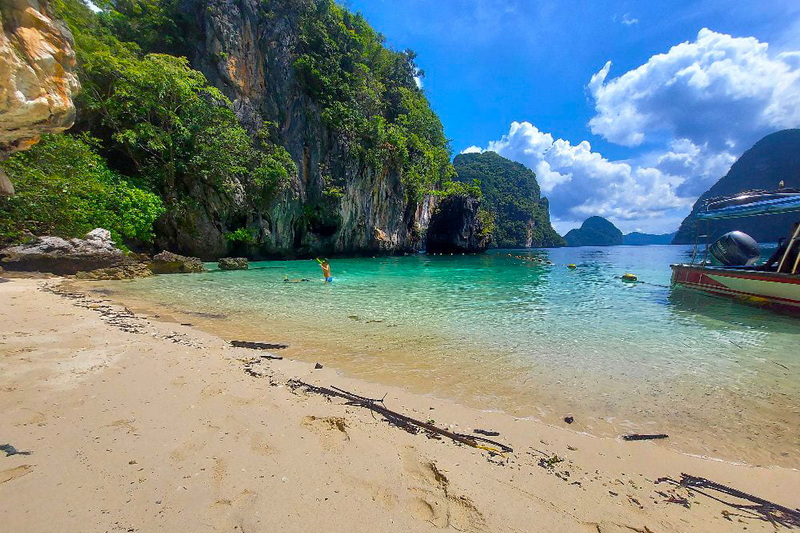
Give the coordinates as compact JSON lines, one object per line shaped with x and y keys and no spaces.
{"x":170,"y":263}
{"x":37,"y":78}
{"x":233,"y":263}
{"x":65,"y":257}
{"x":456,"y":228}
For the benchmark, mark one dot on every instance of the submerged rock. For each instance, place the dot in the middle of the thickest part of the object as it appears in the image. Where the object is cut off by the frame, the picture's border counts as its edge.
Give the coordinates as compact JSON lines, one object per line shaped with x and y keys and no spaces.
{"x":127,"y":271}
{"x":233,"y":263}
{"x":170,"y":263}
{"x":66,"y":257}
{"x":456,"y":228}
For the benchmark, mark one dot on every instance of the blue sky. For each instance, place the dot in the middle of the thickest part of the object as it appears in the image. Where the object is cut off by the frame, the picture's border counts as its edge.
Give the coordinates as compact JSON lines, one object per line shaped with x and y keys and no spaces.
{"x":636,"y":139}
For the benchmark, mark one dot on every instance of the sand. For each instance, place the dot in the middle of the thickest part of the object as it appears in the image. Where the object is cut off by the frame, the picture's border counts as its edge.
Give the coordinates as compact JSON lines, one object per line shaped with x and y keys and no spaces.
{"x":132,"y":424}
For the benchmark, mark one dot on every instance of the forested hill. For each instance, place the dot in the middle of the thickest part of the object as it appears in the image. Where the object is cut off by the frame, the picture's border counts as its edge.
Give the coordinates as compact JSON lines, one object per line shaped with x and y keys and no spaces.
{"x":595,"y":231}
{"x":773,"y":159}
{"x":208,"y":127}
{"x":512,"y":195}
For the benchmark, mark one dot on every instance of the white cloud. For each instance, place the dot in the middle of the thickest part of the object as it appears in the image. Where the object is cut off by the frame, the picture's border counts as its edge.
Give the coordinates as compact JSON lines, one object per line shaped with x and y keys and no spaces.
{"x":692,"y":111}
{"x":628,"y":20}
{"x":718,"y":91}
{"x":419,"y":82}
{"x":472,"y":150}
{"x":581,"y":182}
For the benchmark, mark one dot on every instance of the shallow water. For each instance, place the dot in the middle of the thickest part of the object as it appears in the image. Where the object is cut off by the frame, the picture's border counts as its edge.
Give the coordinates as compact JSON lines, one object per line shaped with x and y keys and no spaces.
{"x":535,"y":340}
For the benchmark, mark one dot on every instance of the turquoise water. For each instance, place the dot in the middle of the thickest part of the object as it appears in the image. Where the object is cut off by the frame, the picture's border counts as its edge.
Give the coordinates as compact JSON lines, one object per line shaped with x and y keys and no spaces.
{"x":531,"y":339}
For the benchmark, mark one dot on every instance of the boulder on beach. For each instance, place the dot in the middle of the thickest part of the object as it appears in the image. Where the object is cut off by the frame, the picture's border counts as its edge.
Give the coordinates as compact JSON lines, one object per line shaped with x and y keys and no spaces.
{"x":65,"y":257}
{"x":170,"y":263}
{"x":233,"y":263}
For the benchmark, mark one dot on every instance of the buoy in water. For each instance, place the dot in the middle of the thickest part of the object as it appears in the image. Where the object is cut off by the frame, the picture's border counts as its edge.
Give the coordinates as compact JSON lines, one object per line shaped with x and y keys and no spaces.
{"x":629,"y":277}
{"x":572,"y":266}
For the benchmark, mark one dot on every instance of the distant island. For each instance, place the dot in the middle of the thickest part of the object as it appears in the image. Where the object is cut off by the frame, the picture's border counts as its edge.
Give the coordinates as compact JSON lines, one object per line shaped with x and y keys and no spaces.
{"x":511,"y":193}
{"x":598,"y":231}
{"x":636,"y":238}
{"x":595,"y":231}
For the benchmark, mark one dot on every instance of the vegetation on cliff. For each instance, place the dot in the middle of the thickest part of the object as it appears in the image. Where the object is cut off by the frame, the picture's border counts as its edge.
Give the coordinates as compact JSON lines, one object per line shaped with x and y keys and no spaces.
{"x":521,"y":217}
{"x":229,"y":182}
{"x":369,"y":95}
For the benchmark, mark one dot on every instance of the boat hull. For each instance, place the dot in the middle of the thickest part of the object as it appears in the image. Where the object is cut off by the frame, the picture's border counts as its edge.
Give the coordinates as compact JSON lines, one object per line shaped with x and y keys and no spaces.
{"x":776,"y":291}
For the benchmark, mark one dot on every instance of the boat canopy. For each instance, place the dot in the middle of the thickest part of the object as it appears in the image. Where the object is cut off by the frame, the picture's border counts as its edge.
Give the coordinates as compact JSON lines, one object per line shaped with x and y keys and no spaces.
{"x":750,"y":204}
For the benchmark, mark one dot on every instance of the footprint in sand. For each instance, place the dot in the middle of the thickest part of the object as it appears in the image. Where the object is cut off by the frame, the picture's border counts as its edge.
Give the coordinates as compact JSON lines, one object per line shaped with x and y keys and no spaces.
{"x":238,"y":513}
{"x":332,"y":430}
{"x":14,"y":473}
{"x":259,"y":444}
{"x":433,"y":499}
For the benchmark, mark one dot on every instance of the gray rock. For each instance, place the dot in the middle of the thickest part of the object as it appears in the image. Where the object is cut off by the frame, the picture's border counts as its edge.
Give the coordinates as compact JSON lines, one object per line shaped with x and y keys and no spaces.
{"x":456,"y":228}
{"x":65,"y":257}
{"x":170,"y":263}
{"x":233,"y":263}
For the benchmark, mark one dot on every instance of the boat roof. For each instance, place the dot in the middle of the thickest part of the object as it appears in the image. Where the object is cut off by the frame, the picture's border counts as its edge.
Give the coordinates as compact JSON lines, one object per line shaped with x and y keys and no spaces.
{"x":751,"y":203}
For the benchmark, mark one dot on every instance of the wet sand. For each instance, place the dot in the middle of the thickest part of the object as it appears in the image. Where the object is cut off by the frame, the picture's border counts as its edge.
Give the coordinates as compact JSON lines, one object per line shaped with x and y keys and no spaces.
{"x":135,"y":424}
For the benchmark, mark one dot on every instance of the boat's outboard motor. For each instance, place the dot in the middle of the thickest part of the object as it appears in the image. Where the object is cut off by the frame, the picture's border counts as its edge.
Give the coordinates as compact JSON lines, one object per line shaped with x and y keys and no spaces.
{"x":736,"y":248}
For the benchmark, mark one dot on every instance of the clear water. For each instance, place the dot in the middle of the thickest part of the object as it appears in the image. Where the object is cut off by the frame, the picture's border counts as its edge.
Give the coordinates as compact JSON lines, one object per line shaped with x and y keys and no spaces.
{"x":500,"y":332}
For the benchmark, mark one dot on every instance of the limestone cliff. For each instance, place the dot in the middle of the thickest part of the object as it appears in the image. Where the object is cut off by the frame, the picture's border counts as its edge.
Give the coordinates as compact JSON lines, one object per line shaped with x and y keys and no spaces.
{"x":37,"y":79}
{"x":455,"y":227}
{"x":511,"y":192}
{"x":773,"y":159}
{"x":250,"y":55}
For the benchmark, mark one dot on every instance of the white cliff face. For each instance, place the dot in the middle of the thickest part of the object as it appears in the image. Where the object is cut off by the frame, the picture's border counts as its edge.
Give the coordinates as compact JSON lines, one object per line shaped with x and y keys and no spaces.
{"x":37,"y":77}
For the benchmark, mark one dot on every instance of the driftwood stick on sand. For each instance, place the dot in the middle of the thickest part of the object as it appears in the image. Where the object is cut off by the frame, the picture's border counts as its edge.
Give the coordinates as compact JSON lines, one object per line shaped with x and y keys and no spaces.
{"x":411,"y":425}
{"x":761,"y":508}
{"x":258,"y":345}
{"x":636,"y":436}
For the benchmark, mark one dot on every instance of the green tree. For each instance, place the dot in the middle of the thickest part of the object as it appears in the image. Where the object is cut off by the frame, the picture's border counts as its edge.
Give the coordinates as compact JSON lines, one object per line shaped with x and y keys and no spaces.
{"x":65,"y":188}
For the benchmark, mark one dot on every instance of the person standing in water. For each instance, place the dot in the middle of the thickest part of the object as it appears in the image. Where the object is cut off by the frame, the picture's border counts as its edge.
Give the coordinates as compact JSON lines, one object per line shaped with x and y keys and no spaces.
{"x":326,"y":270}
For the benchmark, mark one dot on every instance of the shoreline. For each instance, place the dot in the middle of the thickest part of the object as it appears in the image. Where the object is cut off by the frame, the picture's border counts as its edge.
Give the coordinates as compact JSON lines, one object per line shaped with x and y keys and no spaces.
{"x":160,"y":422}
{"x":370,"y":350}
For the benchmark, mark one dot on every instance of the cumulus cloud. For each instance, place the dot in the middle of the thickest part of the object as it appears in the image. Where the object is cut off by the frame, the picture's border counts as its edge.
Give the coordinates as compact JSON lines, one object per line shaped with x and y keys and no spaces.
{"x":688,"y":114}
{"x":581,"y":182}
{"x":719,"y":91}
{"x":472,"y":150}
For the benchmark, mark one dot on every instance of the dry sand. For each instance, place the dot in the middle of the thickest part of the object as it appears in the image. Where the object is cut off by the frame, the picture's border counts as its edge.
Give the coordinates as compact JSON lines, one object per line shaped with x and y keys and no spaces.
{"x":138,"y":425}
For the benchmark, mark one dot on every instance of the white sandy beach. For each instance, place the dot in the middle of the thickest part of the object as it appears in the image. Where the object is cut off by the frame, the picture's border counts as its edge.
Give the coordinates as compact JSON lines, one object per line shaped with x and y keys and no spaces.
{"x":138,"y":425}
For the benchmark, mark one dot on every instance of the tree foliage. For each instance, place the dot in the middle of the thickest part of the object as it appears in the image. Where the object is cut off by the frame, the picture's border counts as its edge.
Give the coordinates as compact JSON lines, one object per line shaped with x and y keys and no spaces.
{"x":64,"y":188}
{"x":158,"y":119}
{"x":512,"y":194}
{"x":369,"y":96}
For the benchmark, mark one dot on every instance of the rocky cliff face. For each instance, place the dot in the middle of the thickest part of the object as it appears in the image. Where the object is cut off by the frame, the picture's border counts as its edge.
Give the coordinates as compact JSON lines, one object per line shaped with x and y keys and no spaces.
{"x":37,"y":78}
{"x":250,"y":57}
{"x":595,"y":231}
{"x":511,"y":192}
{"x":773,"y":159}
{"x":456,"y":228}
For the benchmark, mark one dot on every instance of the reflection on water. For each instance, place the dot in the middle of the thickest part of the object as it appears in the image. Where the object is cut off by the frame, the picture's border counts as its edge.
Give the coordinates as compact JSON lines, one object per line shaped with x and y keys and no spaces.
{"x":505,"y":330}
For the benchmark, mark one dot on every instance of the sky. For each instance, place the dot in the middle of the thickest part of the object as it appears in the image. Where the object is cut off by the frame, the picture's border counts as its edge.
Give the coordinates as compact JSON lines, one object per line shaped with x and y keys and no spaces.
{"x":625,"y":109}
